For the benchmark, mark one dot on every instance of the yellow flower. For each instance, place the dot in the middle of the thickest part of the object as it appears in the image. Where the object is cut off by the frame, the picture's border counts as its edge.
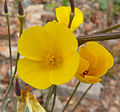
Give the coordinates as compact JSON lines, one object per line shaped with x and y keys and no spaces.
{"x":28,"y":100}
{"x":50,"y":55}
{"x":63,"y":16}
{"x":95,"y":61}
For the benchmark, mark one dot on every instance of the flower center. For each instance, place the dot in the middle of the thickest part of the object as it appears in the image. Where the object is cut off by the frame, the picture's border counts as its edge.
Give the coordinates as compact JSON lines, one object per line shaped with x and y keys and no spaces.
{"x":53,"y":58}
{"x":84,"y":73}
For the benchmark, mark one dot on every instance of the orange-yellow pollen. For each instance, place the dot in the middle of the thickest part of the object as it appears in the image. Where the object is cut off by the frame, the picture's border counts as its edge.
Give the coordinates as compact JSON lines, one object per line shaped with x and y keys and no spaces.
{"x":52,"y":58}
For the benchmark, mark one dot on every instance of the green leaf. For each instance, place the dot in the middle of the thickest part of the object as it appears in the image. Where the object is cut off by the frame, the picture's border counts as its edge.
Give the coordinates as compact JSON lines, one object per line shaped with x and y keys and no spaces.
{"x":104,"y":4}
{"x":65,"y":2}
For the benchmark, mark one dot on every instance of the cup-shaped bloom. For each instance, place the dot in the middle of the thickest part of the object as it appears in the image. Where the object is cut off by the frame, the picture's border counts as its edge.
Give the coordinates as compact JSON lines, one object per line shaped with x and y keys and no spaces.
{"x":63,"y":16}
{"x":95,"y":61}
{"x":50,"y":55}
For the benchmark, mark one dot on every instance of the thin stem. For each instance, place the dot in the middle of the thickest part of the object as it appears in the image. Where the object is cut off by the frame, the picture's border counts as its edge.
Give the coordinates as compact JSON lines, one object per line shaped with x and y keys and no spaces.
{"x":71,"y":96}
{"x":98,"y":37}
{"x":82,"y":97}
{"x":12,"y":79}
{"x":48,"y":97}
{"x":10,"y":53}
{"x":72,"y":13}
{"x":9,"y":39}
{"x":54,"y":99}
{"x":72,"y":6}
{"x":108,"y":29}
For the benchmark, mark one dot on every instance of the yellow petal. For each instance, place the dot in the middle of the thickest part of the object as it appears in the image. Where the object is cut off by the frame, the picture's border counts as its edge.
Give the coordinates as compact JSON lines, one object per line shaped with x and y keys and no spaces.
{"x":35,"y":73}
{"x":88,"y":79}
{"x":83,"y":65}
{"x":63,"y":16}
{"x":66,"y":71}
{"x":64,"y":39}
{"x":102,"y":66}
{"x":89,"y":54}
{"x":98,"y":57}
{"x":33,"y":104}
{"x":33,"y":42}
{"x":77,"y":20}
{"x":100,"y":50}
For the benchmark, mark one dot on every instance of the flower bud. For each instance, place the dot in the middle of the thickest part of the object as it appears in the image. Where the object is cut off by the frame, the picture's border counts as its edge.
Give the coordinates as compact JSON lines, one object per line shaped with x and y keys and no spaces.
{"x":20,"y":8}
{"x":17,"y":87}
{"x":5,"y":7}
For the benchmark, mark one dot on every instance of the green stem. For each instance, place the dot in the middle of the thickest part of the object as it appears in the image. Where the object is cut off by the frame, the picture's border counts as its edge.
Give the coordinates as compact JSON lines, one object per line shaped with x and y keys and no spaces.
{"x":9,"y":39}
{"x":71,"y":96}
{"x":49,"y":96}
{"x":108,"y":29}
{"x":21,"y":18}
{"x":10,"y":52}
{"x":98,"y":37}
{"x":54,"y":99}
{"x":82,"y":97}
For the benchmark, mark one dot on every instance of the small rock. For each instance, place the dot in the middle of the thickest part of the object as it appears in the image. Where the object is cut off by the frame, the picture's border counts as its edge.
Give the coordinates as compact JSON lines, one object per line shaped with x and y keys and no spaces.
{"x":93,"y":93}
{"x":4,"y":33}
{"x":35,"y":15}
{"x":26,"y":3}
{"x":105,"y":104}
{"x":113,"y":109}
{"x":4,"y":51}
{"x":2,"y":87}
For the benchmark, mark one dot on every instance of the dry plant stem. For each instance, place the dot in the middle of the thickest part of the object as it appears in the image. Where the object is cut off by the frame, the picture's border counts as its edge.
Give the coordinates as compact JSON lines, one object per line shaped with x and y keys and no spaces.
{"x":98,"y":37}
{"x":49,"y":96}
{"x":54,"y":99}
{"x":12,"y":78}
{"x":82,"y":97}
{"x":108,"y":29}
{"x":71,"y":97}
{"x":72,"y":13}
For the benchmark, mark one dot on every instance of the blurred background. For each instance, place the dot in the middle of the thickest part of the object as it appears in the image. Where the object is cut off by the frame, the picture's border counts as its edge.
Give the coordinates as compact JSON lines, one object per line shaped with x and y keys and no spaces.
{"x":98,"y":14}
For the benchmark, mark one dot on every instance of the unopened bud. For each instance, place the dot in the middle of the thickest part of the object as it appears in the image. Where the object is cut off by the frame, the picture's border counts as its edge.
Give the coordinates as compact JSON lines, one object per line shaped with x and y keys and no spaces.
{"x":5,"y":6}
{"x":17,"y":87}
{"x":20,"y":8}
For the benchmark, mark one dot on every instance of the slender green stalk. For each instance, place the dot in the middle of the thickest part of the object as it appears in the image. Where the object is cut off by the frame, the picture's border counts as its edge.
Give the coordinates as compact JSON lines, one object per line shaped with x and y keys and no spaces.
{"x":21,"y":18}
{"x":108,"y":29}
{"x":9,"y":39}
{"x":82,"y":97}
{"x":98,"y":37}
{"x":71,"y":96}
{"x":10,"y":53}
{"x":49,"y":96}
{"x":54,"y":99}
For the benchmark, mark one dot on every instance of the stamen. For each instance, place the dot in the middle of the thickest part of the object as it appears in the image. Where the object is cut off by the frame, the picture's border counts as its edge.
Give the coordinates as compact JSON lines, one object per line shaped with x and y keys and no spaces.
{"x":52,"y":58}
{"x":84,"y":73}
